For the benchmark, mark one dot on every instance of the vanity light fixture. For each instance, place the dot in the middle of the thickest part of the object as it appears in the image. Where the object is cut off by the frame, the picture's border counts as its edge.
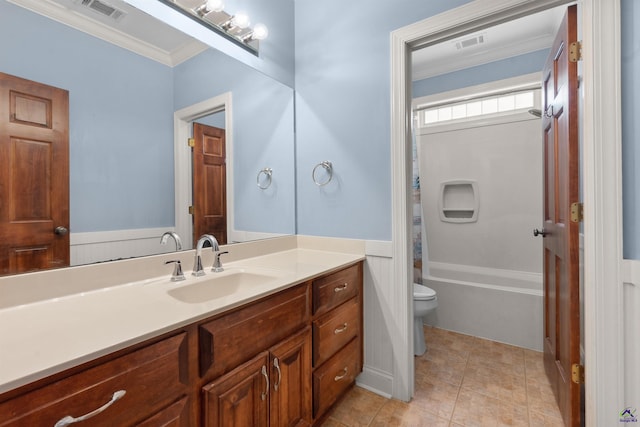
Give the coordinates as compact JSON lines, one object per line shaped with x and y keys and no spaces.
{"x":235,"y":27}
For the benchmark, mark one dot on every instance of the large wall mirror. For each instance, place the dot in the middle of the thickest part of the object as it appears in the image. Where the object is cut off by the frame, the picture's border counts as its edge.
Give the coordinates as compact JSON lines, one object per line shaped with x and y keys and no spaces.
{"x":125,"y":98}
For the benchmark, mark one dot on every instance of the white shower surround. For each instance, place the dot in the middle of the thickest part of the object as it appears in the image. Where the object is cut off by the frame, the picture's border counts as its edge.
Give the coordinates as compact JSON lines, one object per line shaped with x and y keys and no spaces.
{"x":487,"y":273}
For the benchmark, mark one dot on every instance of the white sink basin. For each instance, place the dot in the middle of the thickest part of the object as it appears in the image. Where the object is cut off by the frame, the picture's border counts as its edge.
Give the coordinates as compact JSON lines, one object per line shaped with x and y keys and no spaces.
{"x":219,"y":286}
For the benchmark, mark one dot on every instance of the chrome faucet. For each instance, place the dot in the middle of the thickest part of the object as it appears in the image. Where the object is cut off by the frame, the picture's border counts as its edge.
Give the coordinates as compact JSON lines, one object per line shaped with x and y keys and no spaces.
{"x":217,"y":264}
{"x":176,"y":238}
{"x":197,"y":264}
{"x":177,"y":275}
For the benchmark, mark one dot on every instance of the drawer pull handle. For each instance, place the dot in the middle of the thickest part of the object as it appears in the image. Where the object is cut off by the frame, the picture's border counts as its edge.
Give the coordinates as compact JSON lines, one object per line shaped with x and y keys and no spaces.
{"x":339,"y":377}
{"x":340,"y":288}
{"x":263,"y":395}
{"x":70,"y":420}
{"x":341,"y":329}
{"x":276,"y":363}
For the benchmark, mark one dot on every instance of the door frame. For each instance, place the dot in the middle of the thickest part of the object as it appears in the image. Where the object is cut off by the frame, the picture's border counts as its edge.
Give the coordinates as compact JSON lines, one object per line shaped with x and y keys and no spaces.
{"x":601,"y":183}
{"x":182,"y":122}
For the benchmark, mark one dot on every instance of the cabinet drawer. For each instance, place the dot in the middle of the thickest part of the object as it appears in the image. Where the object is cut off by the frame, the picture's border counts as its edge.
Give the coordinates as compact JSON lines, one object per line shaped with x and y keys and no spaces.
{"x":335,"y":376}
{"x":334,"y":289}
{"x":334,"y":329}
{"x":151,"y":378}
{"x":175,"y":415}
{"x":234,"y":338}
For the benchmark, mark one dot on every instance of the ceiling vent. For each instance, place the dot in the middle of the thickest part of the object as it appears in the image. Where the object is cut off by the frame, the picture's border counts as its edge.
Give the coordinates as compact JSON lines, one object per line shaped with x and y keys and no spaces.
{"x":469,"y":42}
{"x":104,"y":9}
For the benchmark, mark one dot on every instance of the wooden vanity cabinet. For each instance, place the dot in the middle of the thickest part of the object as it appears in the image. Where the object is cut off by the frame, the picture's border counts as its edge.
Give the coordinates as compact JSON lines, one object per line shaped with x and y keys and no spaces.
{"x":283,"y":360}
{"x":337,"y":336}
{"x":145,"y":387}
{"x":272,"y":389}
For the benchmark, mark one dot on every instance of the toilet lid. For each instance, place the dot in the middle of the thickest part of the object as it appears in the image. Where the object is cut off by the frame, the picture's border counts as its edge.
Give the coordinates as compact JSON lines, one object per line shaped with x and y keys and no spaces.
{"x":423,"y":293}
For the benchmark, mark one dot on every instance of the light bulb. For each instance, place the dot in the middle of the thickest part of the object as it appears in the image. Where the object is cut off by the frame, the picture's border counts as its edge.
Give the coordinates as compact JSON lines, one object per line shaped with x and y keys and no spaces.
{"x":240,"y":20}
{"x":260,"y":32}
{"x":215,"y":5}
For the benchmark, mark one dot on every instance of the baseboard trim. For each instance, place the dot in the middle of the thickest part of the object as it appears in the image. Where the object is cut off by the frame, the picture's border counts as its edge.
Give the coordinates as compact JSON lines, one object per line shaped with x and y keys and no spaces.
{"x":376,"y":381}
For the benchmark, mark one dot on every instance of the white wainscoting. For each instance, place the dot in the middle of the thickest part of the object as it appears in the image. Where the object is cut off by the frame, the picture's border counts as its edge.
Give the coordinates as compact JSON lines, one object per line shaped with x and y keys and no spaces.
{"x":378,"y":370}
{"x":631,"y":325}
{"x":87,"y":248}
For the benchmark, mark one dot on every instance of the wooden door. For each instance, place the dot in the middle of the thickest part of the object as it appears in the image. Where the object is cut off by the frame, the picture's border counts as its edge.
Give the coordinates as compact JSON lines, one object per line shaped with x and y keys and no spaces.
{"x":209,"y":183}
{"x":34,"y":176}
{"x":291,"y":381}
{"x":561,"y":272}
{"x":241,"y":397}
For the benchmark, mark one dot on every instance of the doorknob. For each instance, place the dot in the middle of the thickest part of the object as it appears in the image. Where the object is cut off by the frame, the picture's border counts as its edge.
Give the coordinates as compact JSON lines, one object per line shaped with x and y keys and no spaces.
{"x":60,"y":230}
{"x":542,"y":232}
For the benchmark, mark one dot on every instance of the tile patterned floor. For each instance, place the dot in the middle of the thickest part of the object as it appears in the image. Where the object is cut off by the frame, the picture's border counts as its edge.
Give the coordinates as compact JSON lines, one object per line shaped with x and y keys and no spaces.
{"x":461,"y":381}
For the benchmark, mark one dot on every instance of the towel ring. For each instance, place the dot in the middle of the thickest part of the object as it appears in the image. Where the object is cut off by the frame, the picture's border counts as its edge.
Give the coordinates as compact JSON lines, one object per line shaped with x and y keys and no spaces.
{"x":328,"y":167}
{"x":268,"y":172}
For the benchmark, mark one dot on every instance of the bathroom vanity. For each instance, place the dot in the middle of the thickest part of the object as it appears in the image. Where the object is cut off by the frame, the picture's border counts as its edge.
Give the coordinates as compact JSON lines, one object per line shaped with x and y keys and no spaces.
{"x":274,"y":353}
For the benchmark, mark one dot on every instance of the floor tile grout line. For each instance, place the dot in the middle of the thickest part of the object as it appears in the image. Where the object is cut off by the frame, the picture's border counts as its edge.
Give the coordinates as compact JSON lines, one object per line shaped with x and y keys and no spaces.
{"x":464,"y":370}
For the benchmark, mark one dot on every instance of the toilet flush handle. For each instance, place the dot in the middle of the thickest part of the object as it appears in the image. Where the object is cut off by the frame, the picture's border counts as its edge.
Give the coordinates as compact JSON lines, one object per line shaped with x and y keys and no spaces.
{"x":542,"y":232}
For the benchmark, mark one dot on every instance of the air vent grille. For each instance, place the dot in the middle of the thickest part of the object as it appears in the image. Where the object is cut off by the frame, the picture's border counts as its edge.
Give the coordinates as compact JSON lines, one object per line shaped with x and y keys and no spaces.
{"x":104,"y":9}
{"x":472,"y":41}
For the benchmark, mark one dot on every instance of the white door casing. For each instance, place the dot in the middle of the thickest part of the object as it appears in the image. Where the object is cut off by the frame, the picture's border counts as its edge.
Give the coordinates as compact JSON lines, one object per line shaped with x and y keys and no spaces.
{"x":601,"y":180}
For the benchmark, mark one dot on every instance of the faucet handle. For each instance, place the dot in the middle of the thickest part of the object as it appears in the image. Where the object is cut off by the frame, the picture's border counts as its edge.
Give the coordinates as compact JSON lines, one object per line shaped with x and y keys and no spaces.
{"x":177,"y":275}
{"x":217,"y":264}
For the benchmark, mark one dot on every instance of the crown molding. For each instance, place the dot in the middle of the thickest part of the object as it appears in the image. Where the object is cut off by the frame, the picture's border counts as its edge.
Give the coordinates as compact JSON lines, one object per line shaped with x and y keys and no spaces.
{"x":109,"y":34}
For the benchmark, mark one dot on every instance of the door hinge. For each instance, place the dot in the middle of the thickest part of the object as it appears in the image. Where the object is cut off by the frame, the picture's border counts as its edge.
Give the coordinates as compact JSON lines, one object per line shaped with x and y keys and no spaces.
{"x":577,"y":212}
{"x":190,"y":210}
{"x":191,"y":142}
{"x":577,"y":373}
{"x":575,"y":51}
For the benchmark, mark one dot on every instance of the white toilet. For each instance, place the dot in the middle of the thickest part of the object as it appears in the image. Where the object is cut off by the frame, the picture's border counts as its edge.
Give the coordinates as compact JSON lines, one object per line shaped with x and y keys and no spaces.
{"x":424,"y":302}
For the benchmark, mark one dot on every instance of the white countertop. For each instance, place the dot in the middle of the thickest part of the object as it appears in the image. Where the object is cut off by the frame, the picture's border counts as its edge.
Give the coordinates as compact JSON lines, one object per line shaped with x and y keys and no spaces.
{"x":45,"y":337}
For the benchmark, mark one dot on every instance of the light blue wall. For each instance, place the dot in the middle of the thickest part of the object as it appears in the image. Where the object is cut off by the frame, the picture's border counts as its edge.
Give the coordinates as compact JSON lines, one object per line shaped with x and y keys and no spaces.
{"x":630,"y":12}
{"x":343,"y":111}
{"x":121,"y":128}
{"x":263,"y":135}
{"x":511,"y":67}
{"x":276,"y":52}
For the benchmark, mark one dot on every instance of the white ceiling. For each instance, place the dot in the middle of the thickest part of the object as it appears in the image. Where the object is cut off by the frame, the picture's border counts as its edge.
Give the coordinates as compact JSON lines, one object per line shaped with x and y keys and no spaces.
{"x":528,"y":34}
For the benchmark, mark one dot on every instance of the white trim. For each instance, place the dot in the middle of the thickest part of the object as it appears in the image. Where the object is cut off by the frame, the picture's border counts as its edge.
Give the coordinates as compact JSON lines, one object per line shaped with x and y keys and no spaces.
{"x":92,"y":237}
{"x":182,"y":162}
{"x":111,"y":35}
{"x":471,"y":16}
{"x":602,"y":166}
{"x":375,"y":380}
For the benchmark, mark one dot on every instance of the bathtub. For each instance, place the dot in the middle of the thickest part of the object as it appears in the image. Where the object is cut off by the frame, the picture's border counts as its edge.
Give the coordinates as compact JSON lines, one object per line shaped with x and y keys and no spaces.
{"x":500,"y":305}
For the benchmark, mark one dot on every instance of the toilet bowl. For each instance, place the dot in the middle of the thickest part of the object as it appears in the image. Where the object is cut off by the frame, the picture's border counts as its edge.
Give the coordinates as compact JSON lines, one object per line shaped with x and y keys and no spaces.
{"x":424,"y":302}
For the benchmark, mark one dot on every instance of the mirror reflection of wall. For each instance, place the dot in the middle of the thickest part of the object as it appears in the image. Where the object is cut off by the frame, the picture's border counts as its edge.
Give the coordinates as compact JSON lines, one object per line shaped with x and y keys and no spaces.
{"x":122,"y":138}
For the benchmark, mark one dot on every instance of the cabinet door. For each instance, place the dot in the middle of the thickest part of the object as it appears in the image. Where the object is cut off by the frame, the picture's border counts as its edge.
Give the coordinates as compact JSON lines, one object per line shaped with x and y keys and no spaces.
{"x":241,"y":397}
{"x":291,"y":381}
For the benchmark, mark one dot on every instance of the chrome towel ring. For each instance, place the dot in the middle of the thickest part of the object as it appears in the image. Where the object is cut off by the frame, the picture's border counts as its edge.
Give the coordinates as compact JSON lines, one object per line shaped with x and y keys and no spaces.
{"x":328,"y":167}
{"x":268,"y":172}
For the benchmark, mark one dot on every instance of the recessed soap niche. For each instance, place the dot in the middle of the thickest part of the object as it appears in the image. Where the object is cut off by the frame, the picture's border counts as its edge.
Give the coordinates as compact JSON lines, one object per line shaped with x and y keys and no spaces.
{"x":458,"y":201}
